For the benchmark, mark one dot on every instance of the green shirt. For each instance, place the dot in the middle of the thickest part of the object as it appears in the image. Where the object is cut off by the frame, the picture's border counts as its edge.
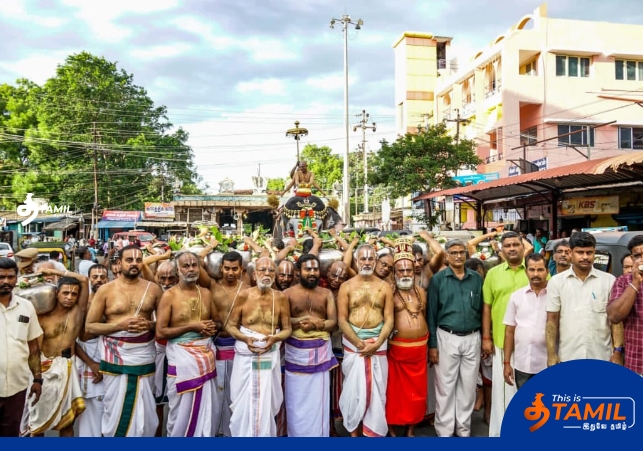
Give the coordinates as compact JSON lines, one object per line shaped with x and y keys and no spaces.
{"x":499,"y":285}
{"x":454,"y":303}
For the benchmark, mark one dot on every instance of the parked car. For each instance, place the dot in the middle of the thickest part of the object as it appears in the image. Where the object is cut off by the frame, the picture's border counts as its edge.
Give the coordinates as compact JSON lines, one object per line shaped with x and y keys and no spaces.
{"x":6,"y":250}
{"x":143,"y":236}
{"x":610,"y":249}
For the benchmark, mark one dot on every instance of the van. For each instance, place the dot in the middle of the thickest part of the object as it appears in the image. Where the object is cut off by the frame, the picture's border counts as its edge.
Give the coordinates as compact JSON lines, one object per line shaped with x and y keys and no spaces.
{"x":143,"y":236}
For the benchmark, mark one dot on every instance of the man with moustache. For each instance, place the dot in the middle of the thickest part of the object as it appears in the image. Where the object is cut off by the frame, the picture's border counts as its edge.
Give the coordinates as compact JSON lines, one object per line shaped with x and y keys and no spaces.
{"x":225,"y":295}
{"x":61,"y":400}
{"x":121,"y":313}
{"x":501,"y":282}
{"x":186,"y":318}
{"x":384,"y":268}
{"x":166,"y":277}
{"x":365,"y":316}
{"x":525,"y":318}
{"x":424,"y":270}
{"x":309,"y":354}
{"x":259,"y":322}
{"x":577,"y":323}
{"x":407,"y":353}
{"x":562,"y":257}
{"x":88,"y":366}
{"x":285,"y":275}
{"x":455,"y":316}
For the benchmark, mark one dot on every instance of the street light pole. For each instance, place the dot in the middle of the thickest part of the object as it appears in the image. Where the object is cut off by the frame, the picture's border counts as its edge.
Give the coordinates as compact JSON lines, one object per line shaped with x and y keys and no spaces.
{"x":346,"y":21}
{"x":297,"y":133}
{"x":364,"y":127}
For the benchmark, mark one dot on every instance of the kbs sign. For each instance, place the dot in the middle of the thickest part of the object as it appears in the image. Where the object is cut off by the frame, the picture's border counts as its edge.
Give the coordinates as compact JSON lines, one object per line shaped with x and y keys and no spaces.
{"x":603,"y":205}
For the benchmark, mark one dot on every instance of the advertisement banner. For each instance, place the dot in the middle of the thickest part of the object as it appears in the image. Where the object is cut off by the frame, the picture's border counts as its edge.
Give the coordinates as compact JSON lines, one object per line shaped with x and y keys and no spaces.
{"x":158,"y":210}
{"x":117,"y":215}
{"x":597,"y":205}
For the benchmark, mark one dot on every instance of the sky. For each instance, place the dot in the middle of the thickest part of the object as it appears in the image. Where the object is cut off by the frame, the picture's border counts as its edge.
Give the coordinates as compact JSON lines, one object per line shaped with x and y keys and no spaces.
{"x":236,"y":74}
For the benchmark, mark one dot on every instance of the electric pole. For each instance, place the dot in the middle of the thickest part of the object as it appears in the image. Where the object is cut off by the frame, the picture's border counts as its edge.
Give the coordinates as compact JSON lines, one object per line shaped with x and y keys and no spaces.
{"x":363,"y":124}
{"x":426,"y":117}
{"x":458,"y":120}
{"x":95,"y":209}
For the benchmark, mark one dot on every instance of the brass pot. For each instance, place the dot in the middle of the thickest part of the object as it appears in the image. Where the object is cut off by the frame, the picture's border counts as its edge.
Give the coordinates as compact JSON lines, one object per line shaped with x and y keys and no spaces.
{"x":41,"y":295}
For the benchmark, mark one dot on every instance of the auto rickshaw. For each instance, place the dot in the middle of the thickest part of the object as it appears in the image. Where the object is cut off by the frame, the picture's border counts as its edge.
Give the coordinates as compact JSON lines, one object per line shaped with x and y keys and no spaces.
{"x":44,"y":248}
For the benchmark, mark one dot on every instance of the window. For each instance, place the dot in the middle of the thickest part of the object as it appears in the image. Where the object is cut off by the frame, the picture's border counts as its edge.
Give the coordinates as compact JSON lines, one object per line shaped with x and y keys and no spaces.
{"x":529,"y":136}
{"x":576,"y":139}
{"x":630,"y":138}
{"x":530,"y":68}
{"x":572,"y":66}
{"x":628,"y":70}
{"x":493,"y":140}
{"x":400,"y":116}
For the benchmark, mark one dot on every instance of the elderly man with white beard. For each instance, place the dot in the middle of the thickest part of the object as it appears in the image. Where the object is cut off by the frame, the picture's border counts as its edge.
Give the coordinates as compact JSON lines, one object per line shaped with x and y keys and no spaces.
{"x":259,"y":322}
{"x":407,"y":353}
{"x":365,"y":316}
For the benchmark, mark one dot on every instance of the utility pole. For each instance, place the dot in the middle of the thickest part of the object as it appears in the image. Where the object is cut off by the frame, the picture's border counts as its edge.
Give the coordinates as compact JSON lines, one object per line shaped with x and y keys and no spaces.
{"x":458,"y":120}
{"x":426,"y":117}
{"x":95,"y":208}
{"x":363,"y":125}
{"x":346,"y":22}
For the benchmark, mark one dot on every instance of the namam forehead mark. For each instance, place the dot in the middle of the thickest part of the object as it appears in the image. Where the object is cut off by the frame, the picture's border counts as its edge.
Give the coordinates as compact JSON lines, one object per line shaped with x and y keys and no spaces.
{"x":98,"y":272}
{"x":192,"y":258}
{"x":367,"y":252}
{"x":339,"y":272}
{"x":135,"y":254}
{"x":311,"y":264}
{"x":73,"y":289}
{"x":265,"y":263}
{"x":401,"y":265}
{"x":165,"y":269}
{"x":286,"y":268}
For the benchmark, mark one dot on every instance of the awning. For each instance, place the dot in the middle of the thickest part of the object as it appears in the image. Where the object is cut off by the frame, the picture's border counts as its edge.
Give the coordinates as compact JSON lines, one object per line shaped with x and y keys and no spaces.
{"x":102,"y":224}
{"x":626,"y":168}
{"x":65,"y":224}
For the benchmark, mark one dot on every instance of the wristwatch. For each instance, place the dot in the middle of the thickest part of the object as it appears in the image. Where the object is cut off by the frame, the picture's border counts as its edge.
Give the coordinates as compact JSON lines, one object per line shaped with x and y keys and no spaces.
{"x":620,"y":349}
{"x":38,"y":381}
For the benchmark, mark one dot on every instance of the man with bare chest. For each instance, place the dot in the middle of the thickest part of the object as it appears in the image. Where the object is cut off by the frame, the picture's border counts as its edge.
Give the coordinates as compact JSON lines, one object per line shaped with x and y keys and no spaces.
{"x":424,"y":270}
{"x":259,"y":322}
{"x":225,"y":294}
{"x":309,"y":353}
{"x":121,"y":313}
{"x":187,"y":318}
{"x":365,"y":316}
{"x":407,"y":352}
{"x":61,"y":400}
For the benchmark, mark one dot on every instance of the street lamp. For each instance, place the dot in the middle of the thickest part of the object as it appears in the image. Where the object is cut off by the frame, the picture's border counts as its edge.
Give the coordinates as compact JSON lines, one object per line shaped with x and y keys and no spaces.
{"x":297,"y":132}
{"x":346,"y":21}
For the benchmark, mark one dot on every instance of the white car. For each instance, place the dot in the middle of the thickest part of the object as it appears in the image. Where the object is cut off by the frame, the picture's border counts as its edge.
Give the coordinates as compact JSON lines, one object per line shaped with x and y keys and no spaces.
{"x":6,"y":251}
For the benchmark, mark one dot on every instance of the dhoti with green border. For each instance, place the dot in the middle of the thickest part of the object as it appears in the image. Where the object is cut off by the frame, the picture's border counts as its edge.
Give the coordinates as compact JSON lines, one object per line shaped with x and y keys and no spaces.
{"x":128,"y":366}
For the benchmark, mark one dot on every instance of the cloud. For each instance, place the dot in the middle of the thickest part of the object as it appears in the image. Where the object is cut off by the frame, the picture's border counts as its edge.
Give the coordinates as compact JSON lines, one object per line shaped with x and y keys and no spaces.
{"x":268,"y":87}
{"x":161,"y":51}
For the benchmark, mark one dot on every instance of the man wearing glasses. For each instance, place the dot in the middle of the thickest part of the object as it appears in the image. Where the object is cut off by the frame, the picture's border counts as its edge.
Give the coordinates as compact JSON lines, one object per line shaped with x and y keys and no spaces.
{"x":455,"y":318}
{"x":626,"y":304}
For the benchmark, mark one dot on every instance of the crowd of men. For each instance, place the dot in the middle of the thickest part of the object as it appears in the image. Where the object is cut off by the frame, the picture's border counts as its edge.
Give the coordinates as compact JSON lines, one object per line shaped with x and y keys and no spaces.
{"x":379,"y":341}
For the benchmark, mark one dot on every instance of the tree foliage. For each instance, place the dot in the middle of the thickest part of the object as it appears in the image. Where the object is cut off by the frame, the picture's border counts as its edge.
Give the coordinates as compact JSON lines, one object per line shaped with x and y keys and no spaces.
{"x":91,"y":117}
{"x":276,"y":184}
{"x":327,"y":166}
{"x":422,"y":162}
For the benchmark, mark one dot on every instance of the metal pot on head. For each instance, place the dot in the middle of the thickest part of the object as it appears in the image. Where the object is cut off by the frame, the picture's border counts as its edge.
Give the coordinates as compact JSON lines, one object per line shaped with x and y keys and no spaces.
{"x":213,"y":265}
{"x":327,"y":257}
{"x":41,"y":295}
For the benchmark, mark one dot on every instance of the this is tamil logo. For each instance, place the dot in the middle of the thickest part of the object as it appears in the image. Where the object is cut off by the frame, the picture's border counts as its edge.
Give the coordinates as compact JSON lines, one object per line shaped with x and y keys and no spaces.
{"x":589,"y":413}
{"x":32,"y":207}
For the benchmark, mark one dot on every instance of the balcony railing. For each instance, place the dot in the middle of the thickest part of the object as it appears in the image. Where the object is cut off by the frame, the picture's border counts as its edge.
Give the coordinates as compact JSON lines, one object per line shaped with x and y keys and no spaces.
{"x":492,"y":88}
{"x":446,"y":114}
{"x":442,"y":64}
{"x":468,"y":105}
{"x":492,"y":158}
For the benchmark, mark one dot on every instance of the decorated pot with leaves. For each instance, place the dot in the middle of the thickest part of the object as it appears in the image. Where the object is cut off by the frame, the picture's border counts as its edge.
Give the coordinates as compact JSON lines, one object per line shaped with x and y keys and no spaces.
{"x":41,"y":294}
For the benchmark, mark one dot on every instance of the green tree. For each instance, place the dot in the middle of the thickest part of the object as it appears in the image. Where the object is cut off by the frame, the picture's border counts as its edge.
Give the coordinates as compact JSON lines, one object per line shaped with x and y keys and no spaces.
{"x":276,"y":184}
{"x":421,"y":162}
{"x":327,"y":166}
{"x":91,"y":118}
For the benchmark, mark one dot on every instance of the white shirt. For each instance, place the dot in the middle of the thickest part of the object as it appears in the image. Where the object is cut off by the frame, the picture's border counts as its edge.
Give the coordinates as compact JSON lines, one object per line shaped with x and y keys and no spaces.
{"x":584,"y":331}
{"x":18,"y":325}
{"x":58,"y":266}
{"x":528,"y":313}
{"x":83,"y":267}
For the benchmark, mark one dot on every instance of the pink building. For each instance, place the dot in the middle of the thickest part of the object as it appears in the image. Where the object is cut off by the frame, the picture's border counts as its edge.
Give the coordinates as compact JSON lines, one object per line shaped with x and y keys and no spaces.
{"x":541,"y":79}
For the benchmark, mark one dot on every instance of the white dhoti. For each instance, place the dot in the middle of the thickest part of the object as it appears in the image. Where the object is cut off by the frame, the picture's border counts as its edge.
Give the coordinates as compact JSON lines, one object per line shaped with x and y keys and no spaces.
{"x":127,"y":364}
{"x":501,"y":393}
{"x":224,"y":360}
{"x":61,"y":399}
{"x":191,"y":387}
{"x":307,"y":395}
{"x":89,"y":423}
{"x":160,"y":376}
{"x":363,"y":397}
{"x":255,"y":390}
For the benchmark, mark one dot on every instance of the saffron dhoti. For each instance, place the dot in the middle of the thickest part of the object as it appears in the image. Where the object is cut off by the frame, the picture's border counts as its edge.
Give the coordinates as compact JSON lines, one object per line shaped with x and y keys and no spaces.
{"x":406,"y":391}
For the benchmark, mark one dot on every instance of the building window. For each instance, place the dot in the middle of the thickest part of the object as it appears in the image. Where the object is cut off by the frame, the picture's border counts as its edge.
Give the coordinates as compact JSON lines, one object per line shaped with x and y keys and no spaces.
{"x":530,"y":68}
{"x":572,"y":66}
{"x":529,"y":136}
{"x":493,"y":141}
{"x":400,"y":116}
{"x":628,"y":70}
{"x":576,"y":139}
{"x":630,"y":138}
